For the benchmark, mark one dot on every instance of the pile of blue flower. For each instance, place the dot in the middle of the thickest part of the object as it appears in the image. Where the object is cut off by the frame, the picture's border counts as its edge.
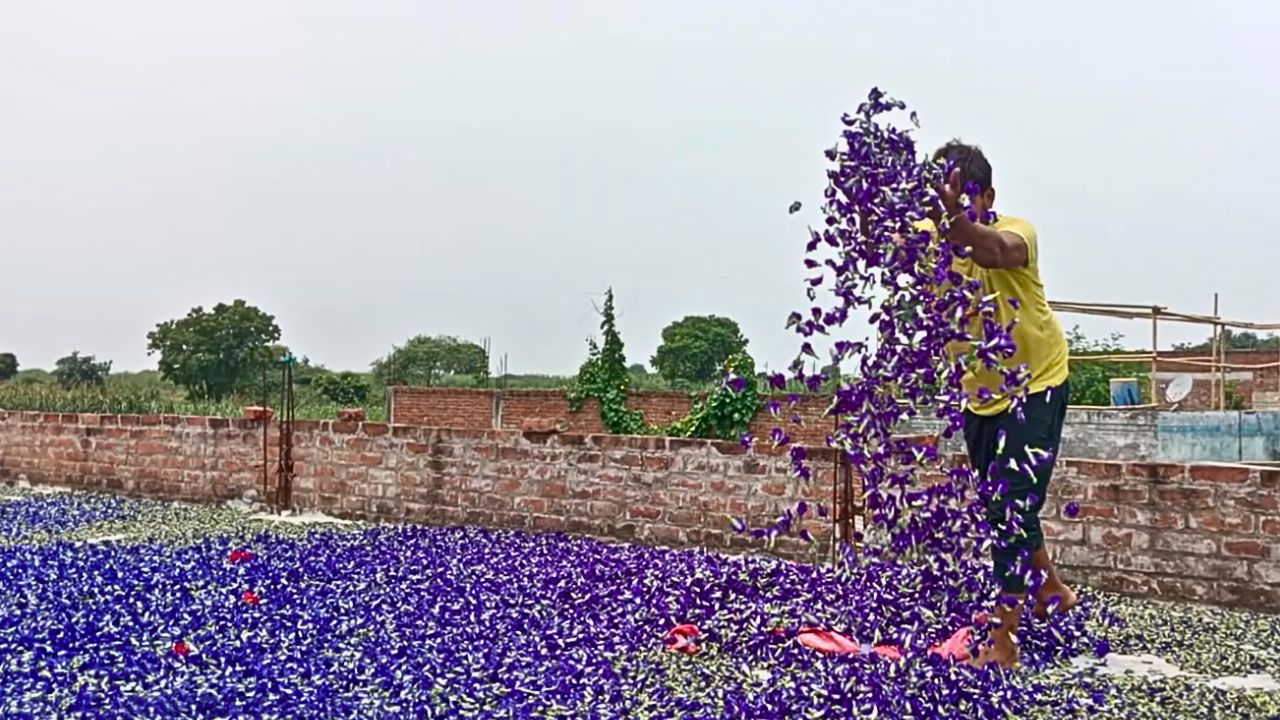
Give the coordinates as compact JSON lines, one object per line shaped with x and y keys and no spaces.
{"x":231,"y":618}
{"x":407,"y":621}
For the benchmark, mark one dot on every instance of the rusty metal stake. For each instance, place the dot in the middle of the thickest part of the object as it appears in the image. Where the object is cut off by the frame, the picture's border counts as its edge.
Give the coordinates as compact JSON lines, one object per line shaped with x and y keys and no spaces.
{"x":284,"y":462}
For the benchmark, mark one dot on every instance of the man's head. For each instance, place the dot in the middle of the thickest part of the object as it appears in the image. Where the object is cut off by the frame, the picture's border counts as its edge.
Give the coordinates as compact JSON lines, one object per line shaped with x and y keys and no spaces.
{"x":974,"y":168}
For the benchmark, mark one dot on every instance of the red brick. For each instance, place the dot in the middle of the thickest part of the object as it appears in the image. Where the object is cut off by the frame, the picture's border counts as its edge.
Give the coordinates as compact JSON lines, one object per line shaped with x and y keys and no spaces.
{"x":1119,"y":492}
{"x":1246,"y":595}
{"x":545,"y":523}
{"x":552,"y":490}
{"x":727,"y":447}
{"x":1184,"y":497}
{"x":1094,"y":469}
{"x":1063,"y":531}
{"x":1156,"y":471}
{"x":1092,"y":511}
{"x":1217,"y":521}
{"x":1258,"y":501}
{"x":1224,"y":474}
{"x":531,"y":504}
{"x":1269,"y":479}
{"x":1271,"y":526}
{"x":604,"y":509}
{"x":775,"y":488}
{"x":1191,"y":589}
{"x":1145,"y":517}
{"x":684,"y":518}
{"x":1117,"y":538}
{"x":1245,"y":548}
{"x":478,"y":517}
{"x":667,"y":535}
{"x":514,"y":453}
{"x":1186,"y":543}
{"x":628,"y":460}
{"x":644,"y":512}
{"x":657,"y":462}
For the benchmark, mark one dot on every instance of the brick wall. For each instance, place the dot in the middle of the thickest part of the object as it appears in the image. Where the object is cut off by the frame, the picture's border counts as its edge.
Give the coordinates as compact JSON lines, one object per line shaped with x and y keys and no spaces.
{"x":1199,"y":532}
{"x":483,"y":409}
{"x":651,"y":489}
{"x":1256,"y":387}
{"x":480,"y":409}
{"x":442,"y":407}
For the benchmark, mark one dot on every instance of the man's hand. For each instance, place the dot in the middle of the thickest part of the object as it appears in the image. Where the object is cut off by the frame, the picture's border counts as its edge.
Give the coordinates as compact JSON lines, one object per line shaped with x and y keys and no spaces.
{"x":950,"y":193}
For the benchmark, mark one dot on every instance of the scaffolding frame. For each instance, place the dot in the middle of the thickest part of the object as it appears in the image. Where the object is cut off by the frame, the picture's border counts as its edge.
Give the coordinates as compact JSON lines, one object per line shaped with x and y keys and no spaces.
{"x":1216,"y":361}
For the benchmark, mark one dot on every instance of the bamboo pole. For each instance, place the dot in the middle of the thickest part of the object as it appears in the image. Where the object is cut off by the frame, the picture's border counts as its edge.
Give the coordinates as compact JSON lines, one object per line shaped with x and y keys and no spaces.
{"x":1155,"y":351}
{"x":1144,"y":406}
{"x":1115,"y":357}
{"x":1132,"y":312}
{"x":1219,"y":340}
{"x":1214,"y":363}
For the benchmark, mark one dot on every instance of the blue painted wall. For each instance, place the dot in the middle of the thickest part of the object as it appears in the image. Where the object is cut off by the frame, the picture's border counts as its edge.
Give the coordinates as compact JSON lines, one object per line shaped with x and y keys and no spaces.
{"x":1228,"y":436}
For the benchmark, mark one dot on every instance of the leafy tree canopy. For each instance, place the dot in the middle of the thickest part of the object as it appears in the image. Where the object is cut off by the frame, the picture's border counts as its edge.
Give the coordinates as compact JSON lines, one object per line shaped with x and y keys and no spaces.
{"x":217,"y":352}
{"x":1236,"y":340}
{"x":76,"y":370}
{"x":1091,"y":380}
{"x":695,"y":348}
{"x":8,"y":366}
{"x":345,"y":388}
{"x":424,"y":360}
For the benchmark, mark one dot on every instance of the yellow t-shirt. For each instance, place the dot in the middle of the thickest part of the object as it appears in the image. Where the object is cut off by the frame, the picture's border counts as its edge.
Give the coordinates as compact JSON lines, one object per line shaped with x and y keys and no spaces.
{"x":1038,"y":336}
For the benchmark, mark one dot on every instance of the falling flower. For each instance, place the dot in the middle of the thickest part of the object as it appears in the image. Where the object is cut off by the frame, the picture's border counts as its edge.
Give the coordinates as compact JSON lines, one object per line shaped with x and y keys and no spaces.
{"x":1071,"y":509}
{"x":181,"y":649}
{"x":250,"y":597}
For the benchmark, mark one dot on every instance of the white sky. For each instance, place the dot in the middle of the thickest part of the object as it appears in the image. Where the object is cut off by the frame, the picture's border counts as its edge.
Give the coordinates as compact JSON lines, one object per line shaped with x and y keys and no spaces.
{"x":371,"y":170}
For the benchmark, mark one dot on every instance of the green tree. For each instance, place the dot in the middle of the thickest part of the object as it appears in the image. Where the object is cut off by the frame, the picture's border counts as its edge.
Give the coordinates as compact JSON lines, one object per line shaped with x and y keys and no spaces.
{"x":604,"y":377}
{"x":1091,"y":380}
{"x":1236,"y":340}
{"x":216,"y":353}
{"x":76,"y":370}
{"x":424,"y":360}
{"x":345,"y":388}
{"x":8,"y":366}
{"x":694,"y":349}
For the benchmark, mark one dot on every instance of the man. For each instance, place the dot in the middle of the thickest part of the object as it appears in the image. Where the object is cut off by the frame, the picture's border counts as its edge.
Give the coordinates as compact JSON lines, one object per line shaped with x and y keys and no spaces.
{"x":1003,"y":255}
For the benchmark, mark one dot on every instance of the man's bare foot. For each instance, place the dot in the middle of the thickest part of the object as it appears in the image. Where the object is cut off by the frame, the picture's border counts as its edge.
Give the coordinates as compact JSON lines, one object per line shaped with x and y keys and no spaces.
{"x":1004,"y":654}
{"x":1053,"y":597}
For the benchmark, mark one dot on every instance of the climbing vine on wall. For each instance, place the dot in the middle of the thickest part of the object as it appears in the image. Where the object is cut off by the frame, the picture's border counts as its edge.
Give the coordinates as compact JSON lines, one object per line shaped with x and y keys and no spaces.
{"x":604,"y":377}
{"x":725,"y":413}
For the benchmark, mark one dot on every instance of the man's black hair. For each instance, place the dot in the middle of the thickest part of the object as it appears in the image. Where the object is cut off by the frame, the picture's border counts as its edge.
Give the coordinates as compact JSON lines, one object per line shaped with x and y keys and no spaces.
{"x":969,"y":159}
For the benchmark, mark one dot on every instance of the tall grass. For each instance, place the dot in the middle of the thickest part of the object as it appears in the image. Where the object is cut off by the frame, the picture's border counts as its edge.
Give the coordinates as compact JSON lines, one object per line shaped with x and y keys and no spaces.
{"x":123,"y":399}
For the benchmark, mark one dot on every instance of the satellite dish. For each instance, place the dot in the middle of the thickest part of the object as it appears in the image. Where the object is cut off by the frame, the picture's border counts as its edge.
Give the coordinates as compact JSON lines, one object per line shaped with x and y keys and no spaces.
{"x":1179,"y":389}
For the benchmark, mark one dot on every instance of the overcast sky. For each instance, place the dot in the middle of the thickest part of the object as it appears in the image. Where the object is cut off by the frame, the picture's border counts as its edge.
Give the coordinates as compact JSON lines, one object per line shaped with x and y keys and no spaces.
{"x":369,"y":170}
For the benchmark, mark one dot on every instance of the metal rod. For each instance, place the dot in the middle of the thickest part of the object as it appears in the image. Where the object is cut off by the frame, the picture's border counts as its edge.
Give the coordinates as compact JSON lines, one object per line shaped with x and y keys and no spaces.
{"x":266,"y":426}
